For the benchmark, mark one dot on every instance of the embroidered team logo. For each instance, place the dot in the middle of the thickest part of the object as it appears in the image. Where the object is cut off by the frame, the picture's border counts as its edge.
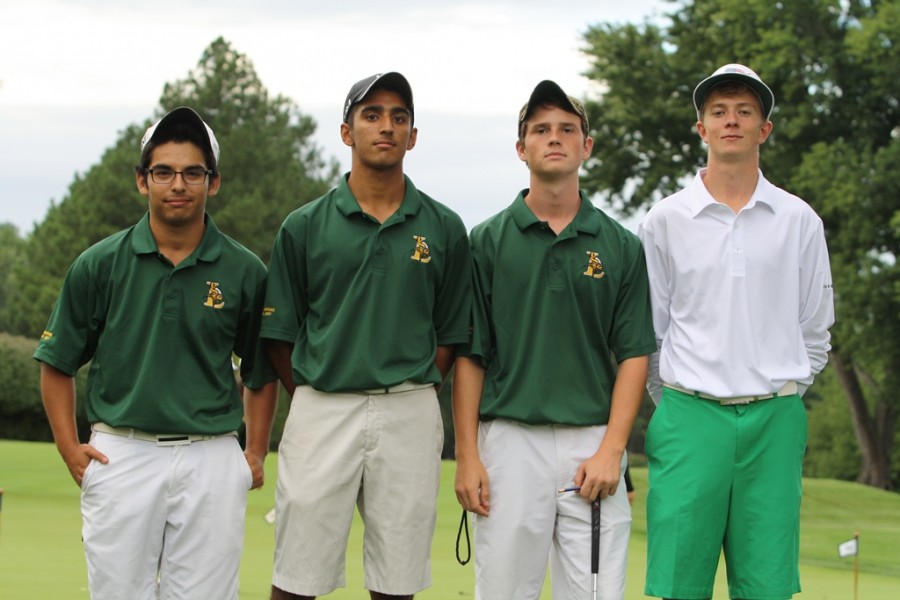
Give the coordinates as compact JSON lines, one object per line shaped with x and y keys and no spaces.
{"x":214,"y":297}
{"x":46,"y":335}
{"x":422,"y":253}
{"x":594,"y":267}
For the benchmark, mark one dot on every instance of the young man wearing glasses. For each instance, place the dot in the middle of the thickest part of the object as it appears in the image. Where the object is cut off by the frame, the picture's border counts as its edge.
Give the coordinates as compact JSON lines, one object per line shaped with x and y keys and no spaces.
{"x":158,"y":309}
{"x":368,"y":293}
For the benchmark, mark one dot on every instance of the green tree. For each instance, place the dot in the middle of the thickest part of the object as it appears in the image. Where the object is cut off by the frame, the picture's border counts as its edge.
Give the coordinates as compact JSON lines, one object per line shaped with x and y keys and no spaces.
{"x":21,"y":409}
{"x":12,"y":249}
{"x":97,"y":204}
{"x":269,"y":166}
{"x":834,"y":66}
{"x":831,"y":448}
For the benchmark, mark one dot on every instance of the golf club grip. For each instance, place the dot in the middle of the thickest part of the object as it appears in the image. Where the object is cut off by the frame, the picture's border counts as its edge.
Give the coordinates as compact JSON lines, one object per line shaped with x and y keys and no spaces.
{"x":595,"y":535}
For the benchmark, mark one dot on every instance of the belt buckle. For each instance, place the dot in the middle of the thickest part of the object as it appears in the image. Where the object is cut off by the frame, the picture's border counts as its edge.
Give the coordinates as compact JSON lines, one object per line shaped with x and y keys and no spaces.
{"x":173,"y":440}
{"x":745,"y":399}
{"x":737,"y":401}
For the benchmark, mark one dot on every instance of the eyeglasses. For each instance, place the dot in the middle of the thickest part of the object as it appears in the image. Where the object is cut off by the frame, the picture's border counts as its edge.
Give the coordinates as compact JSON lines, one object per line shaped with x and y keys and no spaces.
{"x":192,"y":176}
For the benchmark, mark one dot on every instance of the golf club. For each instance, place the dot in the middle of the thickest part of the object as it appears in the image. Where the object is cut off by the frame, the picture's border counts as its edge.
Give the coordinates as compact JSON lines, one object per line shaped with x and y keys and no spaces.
{"x":595,"y":544}
{"x":595,"y":537}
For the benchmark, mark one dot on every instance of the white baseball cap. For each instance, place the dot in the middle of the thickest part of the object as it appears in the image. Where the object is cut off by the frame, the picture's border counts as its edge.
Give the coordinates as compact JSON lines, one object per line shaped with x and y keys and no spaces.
{"x":187,"y":115}
{"x":735,"y":72}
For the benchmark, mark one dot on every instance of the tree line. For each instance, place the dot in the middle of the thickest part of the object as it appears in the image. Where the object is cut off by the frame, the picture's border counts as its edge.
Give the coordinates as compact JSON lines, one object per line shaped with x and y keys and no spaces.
{"x":834,"y":66}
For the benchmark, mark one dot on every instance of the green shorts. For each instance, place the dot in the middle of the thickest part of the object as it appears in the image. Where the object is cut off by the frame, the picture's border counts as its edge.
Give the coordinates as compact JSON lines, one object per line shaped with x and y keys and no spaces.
{"x":724,"y":479}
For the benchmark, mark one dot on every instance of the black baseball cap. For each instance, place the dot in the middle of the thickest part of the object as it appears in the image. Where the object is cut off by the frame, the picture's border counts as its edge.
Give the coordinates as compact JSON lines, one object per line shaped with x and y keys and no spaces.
{"x":383,"y":81}
{"x":549,"y":90}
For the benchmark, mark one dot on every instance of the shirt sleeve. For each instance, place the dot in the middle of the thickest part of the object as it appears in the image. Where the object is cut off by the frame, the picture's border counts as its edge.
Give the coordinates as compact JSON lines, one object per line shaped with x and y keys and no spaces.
{"x":256,"y":370}
{"x":816,"y":300}
{"x":482,"y":330}
{"x":72,"y":332}
{"x":286,"y":303}
{"x":454,"y":297}
{"x":632,"y":327}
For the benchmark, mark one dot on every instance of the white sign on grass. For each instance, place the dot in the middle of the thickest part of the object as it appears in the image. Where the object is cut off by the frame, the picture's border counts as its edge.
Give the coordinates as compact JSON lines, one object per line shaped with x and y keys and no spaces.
{"x":848,"y":548}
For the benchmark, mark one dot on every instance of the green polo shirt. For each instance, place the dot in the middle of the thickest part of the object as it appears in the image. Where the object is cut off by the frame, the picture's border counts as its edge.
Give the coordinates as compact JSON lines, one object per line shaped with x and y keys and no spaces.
{"x":367,"y":304}
{"x":159,"y":338}
{"x":554,"y":313}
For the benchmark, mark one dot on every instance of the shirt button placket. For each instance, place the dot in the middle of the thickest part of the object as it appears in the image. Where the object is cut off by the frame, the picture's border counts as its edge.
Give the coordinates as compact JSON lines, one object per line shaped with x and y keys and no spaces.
{"x":738,"y":258}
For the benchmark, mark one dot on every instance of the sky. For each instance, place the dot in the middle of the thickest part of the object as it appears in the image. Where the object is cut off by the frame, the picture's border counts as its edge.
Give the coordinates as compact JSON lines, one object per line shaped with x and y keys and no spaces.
{"x":75,"y":73}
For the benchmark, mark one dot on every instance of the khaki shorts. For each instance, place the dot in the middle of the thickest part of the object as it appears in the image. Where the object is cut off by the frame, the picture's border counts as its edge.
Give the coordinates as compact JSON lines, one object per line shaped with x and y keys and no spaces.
{"x":379,"y":452}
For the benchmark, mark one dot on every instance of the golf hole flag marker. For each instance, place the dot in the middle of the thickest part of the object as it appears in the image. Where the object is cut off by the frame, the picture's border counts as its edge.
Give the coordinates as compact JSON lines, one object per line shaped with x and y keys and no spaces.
{"x":849,"y":548}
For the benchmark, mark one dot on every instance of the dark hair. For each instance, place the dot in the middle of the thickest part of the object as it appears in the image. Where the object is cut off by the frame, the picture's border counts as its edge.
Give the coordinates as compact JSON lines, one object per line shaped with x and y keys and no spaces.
{"x":550,"y":103}
{"x":731,"y":87}
{"x":179,"y":132}
{"x":384,"y":86}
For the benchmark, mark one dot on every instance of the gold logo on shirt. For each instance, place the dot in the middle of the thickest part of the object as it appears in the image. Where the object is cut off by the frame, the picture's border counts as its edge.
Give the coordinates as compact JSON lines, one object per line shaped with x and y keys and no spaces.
{"x":595,"y":267}
{"x":46,"y":335}
{"x":268,"y":311}
{"x":214,"y":297}
{"x":422,"y":253}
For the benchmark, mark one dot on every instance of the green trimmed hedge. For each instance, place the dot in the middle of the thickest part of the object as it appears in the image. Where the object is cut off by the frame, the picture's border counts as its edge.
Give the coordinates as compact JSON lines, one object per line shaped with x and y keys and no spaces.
{"x":21,"y":409}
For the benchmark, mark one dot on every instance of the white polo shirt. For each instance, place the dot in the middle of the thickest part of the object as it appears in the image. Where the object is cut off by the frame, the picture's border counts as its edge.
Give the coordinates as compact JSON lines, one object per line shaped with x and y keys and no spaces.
{"x":741,"y":302}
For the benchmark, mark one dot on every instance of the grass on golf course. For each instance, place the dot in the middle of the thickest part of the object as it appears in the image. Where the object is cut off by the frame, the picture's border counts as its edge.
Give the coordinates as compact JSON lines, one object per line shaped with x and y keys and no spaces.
{"x":41,"y":553}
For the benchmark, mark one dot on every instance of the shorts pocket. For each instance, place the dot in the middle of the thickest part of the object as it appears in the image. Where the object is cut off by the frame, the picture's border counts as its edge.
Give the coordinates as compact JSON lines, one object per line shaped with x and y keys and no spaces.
{"x":247,"y":471}
{"x":439,"y":428}
{"x":484,"y":439}
{"x":87,"y":476}
{"x":88,"y":471}
{"x":656,"y":422}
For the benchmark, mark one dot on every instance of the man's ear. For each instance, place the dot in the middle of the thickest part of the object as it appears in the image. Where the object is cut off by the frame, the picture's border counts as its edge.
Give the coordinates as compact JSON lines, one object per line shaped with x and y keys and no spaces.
{"x":346,"y":135}
{"x":140,"y":178}
{"x":214,"y":182}
{"x":588,"y":148}
{"x":520,"y":150}
{"x":701,"y":131}
{"x":765,"y":131}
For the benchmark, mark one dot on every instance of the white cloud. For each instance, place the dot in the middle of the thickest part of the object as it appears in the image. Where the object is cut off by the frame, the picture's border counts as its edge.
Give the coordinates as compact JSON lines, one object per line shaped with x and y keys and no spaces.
{"x":78,"y":72}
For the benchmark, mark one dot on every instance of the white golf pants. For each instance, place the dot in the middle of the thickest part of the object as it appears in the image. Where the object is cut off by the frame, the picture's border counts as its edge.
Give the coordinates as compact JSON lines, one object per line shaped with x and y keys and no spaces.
{"x":164,"y":522}
{"x":531,"y":522}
